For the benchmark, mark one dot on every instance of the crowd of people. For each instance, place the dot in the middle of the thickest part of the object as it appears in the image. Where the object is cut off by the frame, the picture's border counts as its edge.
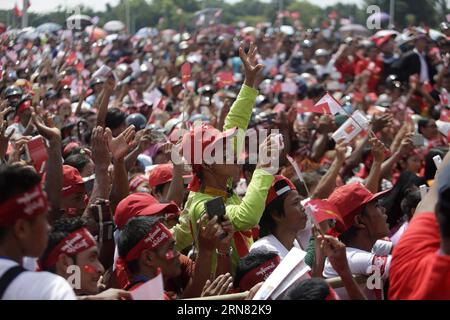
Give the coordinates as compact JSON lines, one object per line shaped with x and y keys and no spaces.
{"x":93,"y":204}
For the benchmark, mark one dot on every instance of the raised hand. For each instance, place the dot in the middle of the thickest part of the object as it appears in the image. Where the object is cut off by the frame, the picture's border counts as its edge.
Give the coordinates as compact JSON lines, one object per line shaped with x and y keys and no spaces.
{"x":377,"y":150}
{"x":120,"y":145}
{"x":251,"y":66}
{"x":100,"y":151}
{"x":52,"y":134}
{"x":341,"y":150}
{"x":4,"y":139}
{"x":221,"y":285}
{"x":335,"y":251}
{"x":209,"y":232}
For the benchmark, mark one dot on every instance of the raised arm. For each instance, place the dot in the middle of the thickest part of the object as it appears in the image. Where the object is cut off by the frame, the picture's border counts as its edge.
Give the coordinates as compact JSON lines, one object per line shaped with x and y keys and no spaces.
{"x":54,"y":166}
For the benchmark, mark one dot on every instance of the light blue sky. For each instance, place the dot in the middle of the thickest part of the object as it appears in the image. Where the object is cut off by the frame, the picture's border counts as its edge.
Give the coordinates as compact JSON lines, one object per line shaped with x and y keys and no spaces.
{"x":48,"y":5}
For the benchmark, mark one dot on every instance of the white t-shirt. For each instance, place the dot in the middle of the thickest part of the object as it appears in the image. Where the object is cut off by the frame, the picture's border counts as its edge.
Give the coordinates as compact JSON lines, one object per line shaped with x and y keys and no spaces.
{"x":398,"y":234}
{"x":271,"y":243}
{"x":35,"y":285}
{"x":361,"y":263}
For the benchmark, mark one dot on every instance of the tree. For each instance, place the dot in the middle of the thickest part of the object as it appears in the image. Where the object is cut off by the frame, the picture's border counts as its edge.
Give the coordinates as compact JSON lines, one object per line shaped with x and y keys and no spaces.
{"x":424,"y":11}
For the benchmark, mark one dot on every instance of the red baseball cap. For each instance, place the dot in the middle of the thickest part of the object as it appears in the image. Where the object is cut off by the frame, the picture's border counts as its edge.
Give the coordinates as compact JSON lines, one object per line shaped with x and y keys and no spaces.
{"x":280,"y":186}
{"x":349,"y":200}
{"x":163,"y":173}
{"x":72,"y":181}
{"x":69,"y":147}
{"x":140,"y":204}
{"x":204,"y":136}
{"x":383,"y":40}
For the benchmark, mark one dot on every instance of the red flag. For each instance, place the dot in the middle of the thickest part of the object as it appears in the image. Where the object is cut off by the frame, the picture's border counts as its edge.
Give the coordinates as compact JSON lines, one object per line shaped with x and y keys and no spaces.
{"x":333,"y":15}
{"x":327,"y":105}
{"x":17,"y":11}
{"x":305,"y":106}
{"x":323,"y":210}
{"x":225,"y":79}
{"x":295,"y":15}
{"x":185,"y":72}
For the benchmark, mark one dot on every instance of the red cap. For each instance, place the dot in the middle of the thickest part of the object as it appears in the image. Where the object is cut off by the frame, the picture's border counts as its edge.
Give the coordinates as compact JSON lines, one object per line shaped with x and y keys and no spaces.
{"x":69,"y":147}
{"x":280,"y":186}
{"x":140,"y":204}
{"x":160,"y":174}
{"x":349,"y":200}
{"x":72,"y":181}
{"x":383,"y":40}
{"x":202,"y":136}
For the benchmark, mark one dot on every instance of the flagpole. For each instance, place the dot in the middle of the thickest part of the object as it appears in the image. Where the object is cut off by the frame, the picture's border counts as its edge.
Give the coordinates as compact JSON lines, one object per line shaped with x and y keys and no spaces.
{"x":25,"y":14}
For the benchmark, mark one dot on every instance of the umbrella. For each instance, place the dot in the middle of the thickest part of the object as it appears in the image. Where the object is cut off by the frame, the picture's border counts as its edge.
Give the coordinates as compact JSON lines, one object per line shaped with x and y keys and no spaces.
{"x":146,"y":32}
{"x":114,"y":26}
{"x":48,"y":27}
{"x":248,"y":30}
{"x":436,"y":35}
{"x":95,"y":33}
{"x":384,"y":33}
{"x":167,"y":34}
{"x":28,"y":33}
{"x":111,"y":37}
{"x":354,"y":28}
{"x":78,"y":21}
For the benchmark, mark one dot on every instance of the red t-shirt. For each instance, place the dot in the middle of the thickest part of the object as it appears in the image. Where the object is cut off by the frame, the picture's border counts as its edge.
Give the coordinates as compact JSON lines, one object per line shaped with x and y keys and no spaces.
{"x":418,"y":270}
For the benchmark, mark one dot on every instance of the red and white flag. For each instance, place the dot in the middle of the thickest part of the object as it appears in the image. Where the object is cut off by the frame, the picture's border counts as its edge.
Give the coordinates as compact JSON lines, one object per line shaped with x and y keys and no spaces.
{"x":328,"y":105}
{"x":17,"y":11}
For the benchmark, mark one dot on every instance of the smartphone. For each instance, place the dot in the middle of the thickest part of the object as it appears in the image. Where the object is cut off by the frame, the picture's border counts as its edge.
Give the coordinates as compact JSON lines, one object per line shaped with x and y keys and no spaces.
{"x":36,"y":151}
{"x":215,"y":207}
{"x":418,"y":140}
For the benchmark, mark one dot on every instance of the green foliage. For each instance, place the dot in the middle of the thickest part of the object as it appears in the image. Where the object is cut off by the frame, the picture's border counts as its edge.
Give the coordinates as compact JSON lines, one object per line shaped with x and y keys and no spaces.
{"x":179,"y":14}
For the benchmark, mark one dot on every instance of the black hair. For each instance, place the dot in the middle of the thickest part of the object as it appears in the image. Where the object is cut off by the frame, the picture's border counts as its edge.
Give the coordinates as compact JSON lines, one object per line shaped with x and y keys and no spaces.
{"x":430,"y":167}
{"x":311,"y":180}
{"x":114,"y":118}
{"x":310,"y":289}
{"x":61,"y":228}
{"x":78,"y":161}
{"x":392,"y":201}
{"x":15,"y":179}
{"x":422,"y":123}
{"x":267,"y":223}
{"x":254,"y":259}
{"x":133,"y":232}
{"x":315,"y":91}
{"x":160,"y":188}
{"x":410,"y":201}
{"x":350,"y":233}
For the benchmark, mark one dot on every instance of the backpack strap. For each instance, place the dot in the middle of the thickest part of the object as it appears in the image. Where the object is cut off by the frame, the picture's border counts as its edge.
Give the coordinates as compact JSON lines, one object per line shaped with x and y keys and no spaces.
{"x":9,"y":277}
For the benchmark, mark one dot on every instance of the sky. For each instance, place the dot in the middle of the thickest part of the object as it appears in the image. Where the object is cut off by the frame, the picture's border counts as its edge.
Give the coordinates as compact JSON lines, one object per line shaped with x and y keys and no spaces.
{"x":49,"y":5}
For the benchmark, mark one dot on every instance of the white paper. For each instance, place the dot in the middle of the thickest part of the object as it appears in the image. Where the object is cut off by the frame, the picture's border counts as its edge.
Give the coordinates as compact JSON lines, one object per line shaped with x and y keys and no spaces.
{"x":103,"y":72}
{"x":299,"y":273}
{"x":280,"y":276}
{"x":153,"y":97}
{"x":351,"y":128}
{"x":151,"y":290}
{"x":443,"y":127}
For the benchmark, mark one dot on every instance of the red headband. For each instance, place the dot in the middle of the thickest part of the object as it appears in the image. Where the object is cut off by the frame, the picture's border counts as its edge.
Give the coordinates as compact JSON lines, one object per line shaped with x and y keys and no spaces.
{"x":258,"y":274}
{"x":76,"y":242}
{"x":26,"y":205}
{"x":156,"y":238}
{"x":136,"y":182}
